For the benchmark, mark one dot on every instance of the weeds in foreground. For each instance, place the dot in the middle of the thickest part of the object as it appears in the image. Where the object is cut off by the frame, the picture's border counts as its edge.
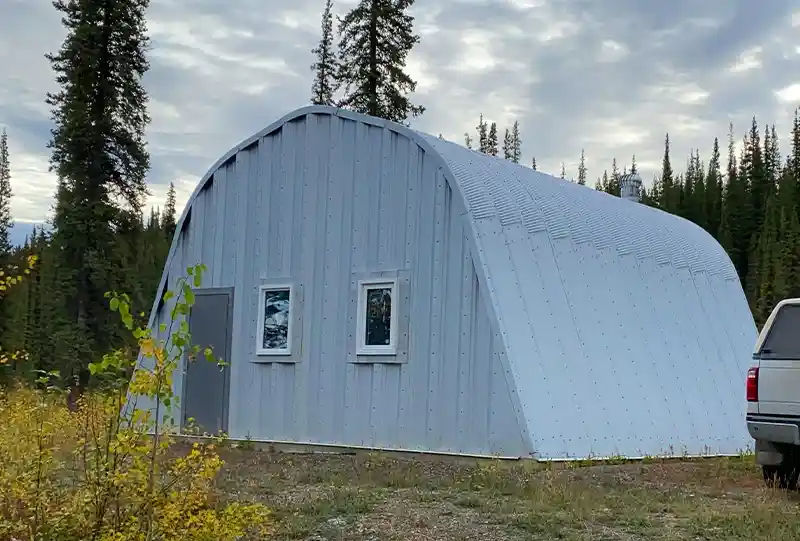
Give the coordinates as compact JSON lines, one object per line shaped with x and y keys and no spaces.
{"x":104,"y":471}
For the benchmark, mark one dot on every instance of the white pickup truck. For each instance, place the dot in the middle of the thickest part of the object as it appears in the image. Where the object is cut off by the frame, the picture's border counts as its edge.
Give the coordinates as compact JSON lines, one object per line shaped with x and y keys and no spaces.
{"x":773,"y":396}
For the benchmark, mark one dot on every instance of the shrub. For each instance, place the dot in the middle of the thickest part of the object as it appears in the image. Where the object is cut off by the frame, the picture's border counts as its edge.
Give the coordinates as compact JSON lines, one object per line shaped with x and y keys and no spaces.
{"x":110,"y":471}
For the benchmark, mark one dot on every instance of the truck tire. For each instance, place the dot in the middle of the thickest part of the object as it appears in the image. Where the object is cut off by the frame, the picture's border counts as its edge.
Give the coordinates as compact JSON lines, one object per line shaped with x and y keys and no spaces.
{"x":786,"y":475}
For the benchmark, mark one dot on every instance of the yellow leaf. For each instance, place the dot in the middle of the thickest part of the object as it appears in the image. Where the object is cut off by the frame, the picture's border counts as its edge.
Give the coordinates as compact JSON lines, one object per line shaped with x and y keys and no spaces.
{"x":148,"y":347}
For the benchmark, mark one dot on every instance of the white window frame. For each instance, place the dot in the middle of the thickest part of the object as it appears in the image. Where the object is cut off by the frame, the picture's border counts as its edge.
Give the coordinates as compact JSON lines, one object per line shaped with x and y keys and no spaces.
{"x":361,"y":336}
{"x":262,"y":290}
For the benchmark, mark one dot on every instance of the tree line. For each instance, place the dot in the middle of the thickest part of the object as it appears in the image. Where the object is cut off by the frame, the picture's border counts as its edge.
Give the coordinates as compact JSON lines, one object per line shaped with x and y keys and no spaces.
{"x":100,"y":238}
{"x":750,"y":204}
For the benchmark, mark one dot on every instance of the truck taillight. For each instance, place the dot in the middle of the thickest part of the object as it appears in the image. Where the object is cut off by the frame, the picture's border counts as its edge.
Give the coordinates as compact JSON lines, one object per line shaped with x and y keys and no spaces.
{"x":752,"y":384}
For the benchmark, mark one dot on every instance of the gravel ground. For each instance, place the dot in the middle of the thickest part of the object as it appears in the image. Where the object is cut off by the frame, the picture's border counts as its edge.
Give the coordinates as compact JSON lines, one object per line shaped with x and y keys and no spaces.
{"x":374,"y":497}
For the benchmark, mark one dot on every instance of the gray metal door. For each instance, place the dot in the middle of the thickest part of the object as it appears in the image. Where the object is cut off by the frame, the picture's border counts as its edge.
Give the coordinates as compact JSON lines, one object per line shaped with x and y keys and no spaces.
{"x":206,"y":385}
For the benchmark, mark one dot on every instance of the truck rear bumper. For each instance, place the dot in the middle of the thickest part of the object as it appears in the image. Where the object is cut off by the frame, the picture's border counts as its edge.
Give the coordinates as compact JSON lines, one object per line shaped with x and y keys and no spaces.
{"x":774,"y":437}
{"x":774,"y":429}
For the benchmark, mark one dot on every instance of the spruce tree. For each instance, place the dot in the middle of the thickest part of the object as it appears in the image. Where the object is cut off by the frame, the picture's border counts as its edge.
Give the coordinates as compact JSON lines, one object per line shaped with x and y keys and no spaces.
{"x":735,"y":214}
{"x":376,"y":38}
{"x":760,"y":186}
{"x":695,"y":190}
{"x":793,"y":164}
{"x":516,"y":143}
{"x":772,"y":157}
{"x":169,"y":218}
{"x":467,"y":140}
{"x":666,"y":184}
{"x":602,"y":183}
{"x":6,"y":222}
{"x":563,"y":172}
{"x":100,"y":159}
{"x":713,"y":202}
{"x":483,"y":137}
{"x":491,"y":140}
{"x":326,"y":66}
{"x":612,"y":184}
{"x":533,"y":163}
{"x":507,"y":151}
{"x":582,"y":169}
{"x":7,"y":327}
{"x":634,"y":170}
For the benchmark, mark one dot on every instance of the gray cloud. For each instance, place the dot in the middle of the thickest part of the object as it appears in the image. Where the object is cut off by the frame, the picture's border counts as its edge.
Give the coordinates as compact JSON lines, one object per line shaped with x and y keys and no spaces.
{"x":611,"y":77}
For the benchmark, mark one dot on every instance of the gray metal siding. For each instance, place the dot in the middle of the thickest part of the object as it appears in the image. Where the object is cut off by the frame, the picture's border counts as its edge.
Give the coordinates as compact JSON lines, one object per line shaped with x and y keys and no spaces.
{"x":627,"y":329}
{"x":321,"y":203}
{"x":554,"y":319}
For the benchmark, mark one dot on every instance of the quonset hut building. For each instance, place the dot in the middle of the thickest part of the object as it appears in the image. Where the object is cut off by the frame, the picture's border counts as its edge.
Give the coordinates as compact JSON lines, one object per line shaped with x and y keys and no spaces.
{"x":377,"y":287}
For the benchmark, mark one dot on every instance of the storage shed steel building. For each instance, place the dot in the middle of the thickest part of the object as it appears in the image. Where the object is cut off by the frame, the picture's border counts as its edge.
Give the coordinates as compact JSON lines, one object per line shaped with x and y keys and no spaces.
{"x":373,"y":286}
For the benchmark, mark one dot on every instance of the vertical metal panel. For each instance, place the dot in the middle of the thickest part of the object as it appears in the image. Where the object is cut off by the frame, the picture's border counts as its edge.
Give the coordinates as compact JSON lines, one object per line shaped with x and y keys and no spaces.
{"x":216,"y":224}
{"x":321,"y":202}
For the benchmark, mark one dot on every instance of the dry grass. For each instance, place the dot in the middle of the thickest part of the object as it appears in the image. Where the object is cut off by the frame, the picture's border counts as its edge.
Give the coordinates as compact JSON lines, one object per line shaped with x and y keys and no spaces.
{"x":374,"y":497}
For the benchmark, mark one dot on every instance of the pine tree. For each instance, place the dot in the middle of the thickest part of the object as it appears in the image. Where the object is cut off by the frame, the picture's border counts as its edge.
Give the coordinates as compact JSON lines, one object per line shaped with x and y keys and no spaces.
{"x":713,"y":202}
{"x":467,"y":140}
{"x":735,"y":214}
{"x":667,"y":182}
{"x":754,"y":171}
{"x":695,"y":191}
{"x":582,"y":170}
{"x":563,"y":172}
{"x":603,"y":183}
{"x":612,"y":183}
{"x":6,"y":223}
{"x":793,"y":163}
{"x":169,"y":218}
{"x":326,"y":66}
{"x":772,"y":157}
{"x":100,"y":158}
{"x":533,"y":163}
{"x":483,"y":138}
{"x":507,"y":151}
{"x":376,"y":38}
{"x":516,"y":143}
{"x":491,"y":140}
{"x":634,"y":170}
{"x":7,"y":307}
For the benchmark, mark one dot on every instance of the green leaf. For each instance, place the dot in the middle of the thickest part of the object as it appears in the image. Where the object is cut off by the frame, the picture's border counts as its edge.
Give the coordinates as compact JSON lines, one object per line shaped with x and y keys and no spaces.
{"x":114,"y":304}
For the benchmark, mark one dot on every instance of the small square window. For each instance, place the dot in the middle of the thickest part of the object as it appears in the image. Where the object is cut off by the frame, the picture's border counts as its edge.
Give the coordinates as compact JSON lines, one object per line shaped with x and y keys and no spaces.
{"x":274,"y":320}
{"x":377,"y":317}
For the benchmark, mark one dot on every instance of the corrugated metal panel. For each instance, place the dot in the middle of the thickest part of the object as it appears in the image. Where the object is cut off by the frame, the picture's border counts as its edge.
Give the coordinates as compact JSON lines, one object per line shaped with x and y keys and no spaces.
{"x":633,"y":317}
{"x":541,"y":315}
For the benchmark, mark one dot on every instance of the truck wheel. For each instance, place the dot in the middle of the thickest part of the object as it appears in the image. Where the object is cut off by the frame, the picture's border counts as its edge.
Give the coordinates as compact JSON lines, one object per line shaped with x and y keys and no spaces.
{"x":786,"y":475}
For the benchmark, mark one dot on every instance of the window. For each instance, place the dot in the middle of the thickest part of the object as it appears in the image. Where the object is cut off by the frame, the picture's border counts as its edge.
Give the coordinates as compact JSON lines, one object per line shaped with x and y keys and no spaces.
{"x":274,"y":320}
{"x":782,"y":340}
{"x":377,"y":317}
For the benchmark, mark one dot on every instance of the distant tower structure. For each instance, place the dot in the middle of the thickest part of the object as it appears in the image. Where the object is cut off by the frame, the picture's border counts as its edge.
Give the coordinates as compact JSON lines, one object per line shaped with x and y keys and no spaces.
{"x":630,"y":187}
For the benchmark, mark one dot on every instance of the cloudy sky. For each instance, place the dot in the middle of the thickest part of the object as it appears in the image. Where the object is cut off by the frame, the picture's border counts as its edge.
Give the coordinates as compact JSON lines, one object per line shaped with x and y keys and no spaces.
{"x":610,"y":76}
